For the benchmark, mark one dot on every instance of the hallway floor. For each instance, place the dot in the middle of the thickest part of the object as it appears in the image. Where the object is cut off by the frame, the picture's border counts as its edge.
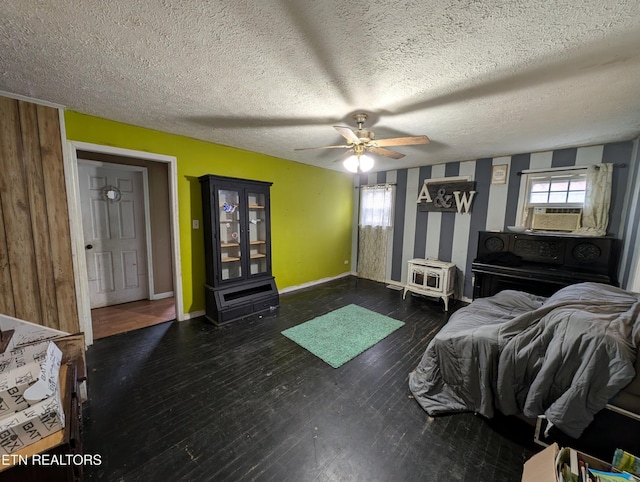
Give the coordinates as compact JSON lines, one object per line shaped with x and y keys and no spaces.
{"x":112,"y":320}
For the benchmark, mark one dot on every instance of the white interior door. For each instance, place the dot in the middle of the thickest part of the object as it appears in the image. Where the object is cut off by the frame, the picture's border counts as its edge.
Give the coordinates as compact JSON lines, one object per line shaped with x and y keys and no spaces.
{"x":114,"y":234}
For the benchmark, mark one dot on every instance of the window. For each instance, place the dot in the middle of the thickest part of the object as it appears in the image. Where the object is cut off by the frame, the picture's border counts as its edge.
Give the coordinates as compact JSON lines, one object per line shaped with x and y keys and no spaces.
{"x":553,"y":199}
{"x":567,"y":199}
{"x":376,"y":205}
{"x":557,"y":190}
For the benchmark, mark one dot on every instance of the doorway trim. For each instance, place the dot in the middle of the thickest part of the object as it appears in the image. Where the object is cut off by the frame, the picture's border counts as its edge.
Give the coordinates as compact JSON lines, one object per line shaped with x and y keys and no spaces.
{"x":146,"y":208}
{"x":75,"y":222}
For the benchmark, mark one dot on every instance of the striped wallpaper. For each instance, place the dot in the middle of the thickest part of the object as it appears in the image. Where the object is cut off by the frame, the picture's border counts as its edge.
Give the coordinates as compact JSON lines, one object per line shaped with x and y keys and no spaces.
{"x":453,"y":237}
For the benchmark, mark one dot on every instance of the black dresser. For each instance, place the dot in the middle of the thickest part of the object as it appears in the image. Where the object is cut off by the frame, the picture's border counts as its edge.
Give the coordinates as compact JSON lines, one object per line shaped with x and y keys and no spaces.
{"x":541,"y":263}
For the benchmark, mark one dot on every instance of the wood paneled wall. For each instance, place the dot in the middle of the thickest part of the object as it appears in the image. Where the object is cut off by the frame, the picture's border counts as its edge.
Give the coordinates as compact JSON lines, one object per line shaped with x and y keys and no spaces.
{"x":36,"y":267}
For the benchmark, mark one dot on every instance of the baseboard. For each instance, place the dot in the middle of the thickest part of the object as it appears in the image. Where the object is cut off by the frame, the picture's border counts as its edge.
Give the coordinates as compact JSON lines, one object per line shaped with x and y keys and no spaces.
{"x":398,"y":284}
{"x":313,"y":283}
{"x":193,"y":314}
{"x":196,"y":314}
{"x":402,"y":285}
{"x":394,"y":283}
{"x":161,"y":296}
{"x":288,"y":289}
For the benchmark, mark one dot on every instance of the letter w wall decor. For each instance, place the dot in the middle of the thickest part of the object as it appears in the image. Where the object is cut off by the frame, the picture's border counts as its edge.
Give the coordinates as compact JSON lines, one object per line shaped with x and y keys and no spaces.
{"x":452,"y":197}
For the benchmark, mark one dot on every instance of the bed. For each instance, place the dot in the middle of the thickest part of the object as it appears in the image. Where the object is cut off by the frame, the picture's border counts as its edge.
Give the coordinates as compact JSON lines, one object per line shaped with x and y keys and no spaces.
{"x":565,"y":357}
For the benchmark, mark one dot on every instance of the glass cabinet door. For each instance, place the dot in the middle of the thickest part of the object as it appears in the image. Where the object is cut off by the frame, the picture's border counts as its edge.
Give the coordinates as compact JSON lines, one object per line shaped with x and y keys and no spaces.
{"x":230,"y":242}
{"x":257,"y":233}
{"x":417,"y":276}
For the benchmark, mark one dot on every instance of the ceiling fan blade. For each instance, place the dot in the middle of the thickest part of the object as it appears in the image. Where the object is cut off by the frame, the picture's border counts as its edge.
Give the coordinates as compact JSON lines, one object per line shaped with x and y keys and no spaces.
{"x":402,"y":141}
{"x":385,"y":152}
{"x":348,"y":134}
{"x":322,"y":147}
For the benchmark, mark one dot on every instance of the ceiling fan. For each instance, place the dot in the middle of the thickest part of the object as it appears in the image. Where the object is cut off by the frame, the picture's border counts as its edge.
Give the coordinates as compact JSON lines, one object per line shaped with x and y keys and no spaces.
{"x":361,"y":141}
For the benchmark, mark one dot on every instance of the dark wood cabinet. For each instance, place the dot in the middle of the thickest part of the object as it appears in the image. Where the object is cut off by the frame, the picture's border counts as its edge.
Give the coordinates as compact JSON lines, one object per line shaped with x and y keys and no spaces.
{"x":541,"y":263}
{"x":237,"y":232}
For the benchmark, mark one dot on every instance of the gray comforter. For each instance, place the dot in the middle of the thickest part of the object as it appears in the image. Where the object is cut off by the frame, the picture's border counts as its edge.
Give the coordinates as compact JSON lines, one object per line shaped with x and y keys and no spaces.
{"x":564,"y":356}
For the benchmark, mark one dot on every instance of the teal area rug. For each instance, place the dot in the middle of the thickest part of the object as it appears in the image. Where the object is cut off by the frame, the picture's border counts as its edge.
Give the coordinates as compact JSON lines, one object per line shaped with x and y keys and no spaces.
{"x":341,"y":335}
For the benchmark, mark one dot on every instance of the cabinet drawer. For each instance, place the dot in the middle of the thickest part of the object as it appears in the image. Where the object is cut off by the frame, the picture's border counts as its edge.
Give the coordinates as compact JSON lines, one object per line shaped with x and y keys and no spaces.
{"x":265,"y":305}
{"x":235,"y":312}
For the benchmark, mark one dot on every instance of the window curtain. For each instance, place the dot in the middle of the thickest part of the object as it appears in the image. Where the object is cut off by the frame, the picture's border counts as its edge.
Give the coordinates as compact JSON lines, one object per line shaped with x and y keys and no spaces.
{"x":376,"y":212}
{"x":372,"y":252}
{"x":595,"y":213}
{"x":376,"y":205}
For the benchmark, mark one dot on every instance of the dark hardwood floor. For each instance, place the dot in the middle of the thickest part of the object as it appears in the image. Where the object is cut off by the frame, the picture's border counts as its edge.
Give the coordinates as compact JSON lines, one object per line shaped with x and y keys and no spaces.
{"x":189,"y":401}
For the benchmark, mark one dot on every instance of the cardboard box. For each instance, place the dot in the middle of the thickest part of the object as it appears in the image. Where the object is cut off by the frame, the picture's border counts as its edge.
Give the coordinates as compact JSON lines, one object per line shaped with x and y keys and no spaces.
{"x":31,"y":424}
{"x":28,"y":374}
{"x":542,"y":466}
{"x":13,"y":384}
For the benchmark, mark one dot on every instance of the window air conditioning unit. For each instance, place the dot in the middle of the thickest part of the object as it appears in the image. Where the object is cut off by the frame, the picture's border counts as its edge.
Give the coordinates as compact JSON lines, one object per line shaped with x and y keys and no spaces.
{"x":556,"y":219}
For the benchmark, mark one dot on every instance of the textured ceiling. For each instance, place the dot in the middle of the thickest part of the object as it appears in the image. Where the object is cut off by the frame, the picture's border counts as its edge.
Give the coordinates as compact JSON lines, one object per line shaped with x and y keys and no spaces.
{"x":480,"y":78}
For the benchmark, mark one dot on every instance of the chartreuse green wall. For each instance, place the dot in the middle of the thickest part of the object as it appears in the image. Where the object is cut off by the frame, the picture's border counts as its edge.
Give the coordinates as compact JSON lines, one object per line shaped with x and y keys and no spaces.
{"x":311,"y":208}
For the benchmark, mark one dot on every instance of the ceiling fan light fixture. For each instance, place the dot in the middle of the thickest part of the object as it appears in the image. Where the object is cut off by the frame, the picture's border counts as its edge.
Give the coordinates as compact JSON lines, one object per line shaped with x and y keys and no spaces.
{"x":366,"y":163}
{"x":361,"y":163}
{"x":363,"y":141}
{"x":351,"y":164}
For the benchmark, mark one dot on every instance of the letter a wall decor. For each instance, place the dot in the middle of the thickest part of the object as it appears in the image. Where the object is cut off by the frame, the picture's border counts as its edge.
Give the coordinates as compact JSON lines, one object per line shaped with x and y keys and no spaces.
{"x":451,"y":197}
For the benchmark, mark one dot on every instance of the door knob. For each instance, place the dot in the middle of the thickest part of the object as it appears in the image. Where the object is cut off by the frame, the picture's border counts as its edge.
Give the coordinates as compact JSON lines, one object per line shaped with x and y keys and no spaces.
{"x":89,"y":246}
